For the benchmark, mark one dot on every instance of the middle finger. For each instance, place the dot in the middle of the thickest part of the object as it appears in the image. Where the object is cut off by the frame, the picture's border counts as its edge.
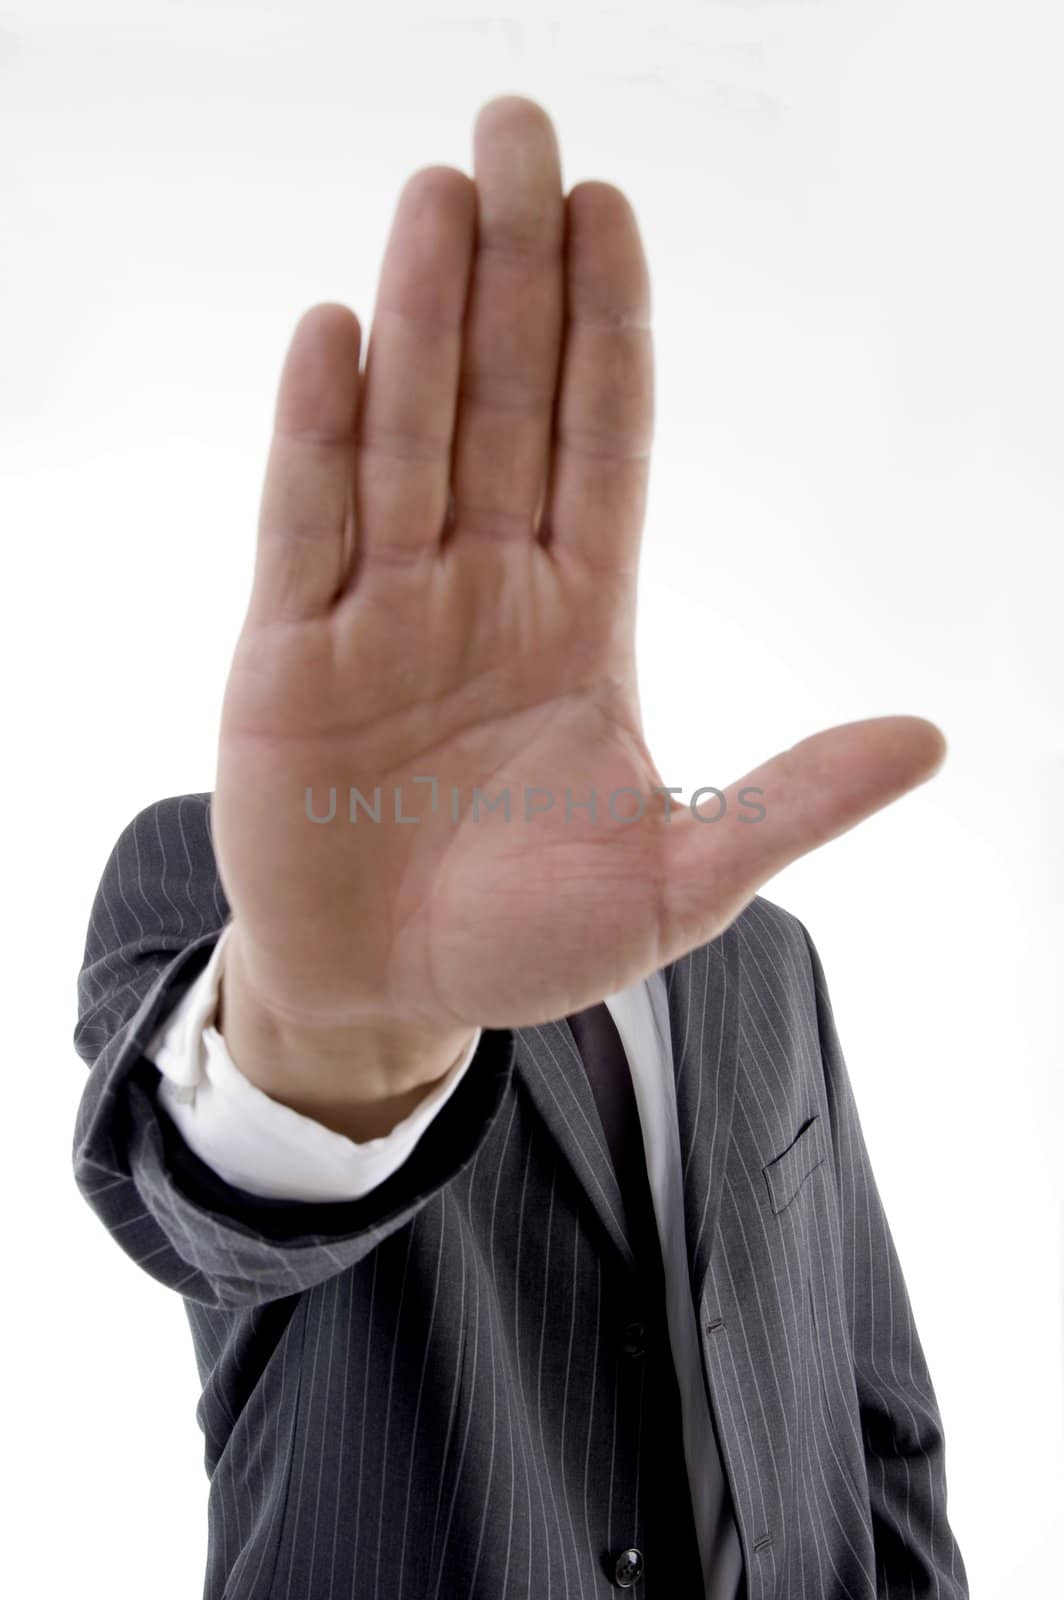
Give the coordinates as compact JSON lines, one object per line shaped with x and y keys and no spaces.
{"x":514,"y":324}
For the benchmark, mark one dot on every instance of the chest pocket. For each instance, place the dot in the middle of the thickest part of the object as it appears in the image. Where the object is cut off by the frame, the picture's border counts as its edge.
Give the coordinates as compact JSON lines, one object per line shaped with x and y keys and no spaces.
{"x":786,"y":1173}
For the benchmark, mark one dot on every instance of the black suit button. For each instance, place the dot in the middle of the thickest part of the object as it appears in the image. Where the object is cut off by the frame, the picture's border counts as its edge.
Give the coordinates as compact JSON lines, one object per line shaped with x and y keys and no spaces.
{"x":629,"y":1568}
{"x":634,"y":1339}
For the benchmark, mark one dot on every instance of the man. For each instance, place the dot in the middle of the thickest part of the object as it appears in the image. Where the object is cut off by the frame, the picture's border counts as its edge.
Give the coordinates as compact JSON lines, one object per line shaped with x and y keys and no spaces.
{"x":356,"y":1093}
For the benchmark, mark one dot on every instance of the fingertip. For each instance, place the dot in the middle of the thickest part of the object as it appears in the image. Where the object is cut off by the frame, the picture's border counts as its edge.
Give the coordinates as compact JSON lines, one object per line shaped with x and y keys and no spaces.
{"x":328,"y":319}
{"x":318,"y":390}
{"x":505,"y":111}
{"x":928,"y":744}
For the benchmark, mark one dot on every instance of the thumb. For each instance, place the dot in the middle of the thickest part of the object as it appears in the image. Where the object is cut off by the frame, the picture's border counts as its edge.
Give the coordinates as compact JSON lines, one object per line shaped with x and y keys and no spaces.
{"x":807,"y":796}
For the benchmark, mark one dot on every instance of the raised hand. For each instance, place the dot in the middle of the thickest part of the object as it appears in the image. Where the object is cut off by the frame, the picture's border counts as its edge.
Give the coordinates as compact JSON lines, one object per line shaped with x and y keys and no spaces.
{"x":445,"y":589}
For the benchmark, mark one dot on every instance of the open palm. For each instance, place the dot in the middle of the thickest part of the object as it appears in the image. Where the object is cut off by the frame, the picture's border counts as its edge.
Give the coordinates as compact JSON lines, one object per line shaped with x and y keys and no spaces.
{"x":442,"y":619}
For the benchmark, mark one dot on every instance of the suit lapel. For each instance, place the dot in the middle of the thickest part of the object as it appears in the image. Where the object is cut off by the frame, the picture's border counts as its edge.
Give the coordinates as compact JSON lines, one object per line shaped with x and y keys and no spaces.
{"x":548,"y":1063}
{"x":702,"y":991}
{"x":703,"y":1001}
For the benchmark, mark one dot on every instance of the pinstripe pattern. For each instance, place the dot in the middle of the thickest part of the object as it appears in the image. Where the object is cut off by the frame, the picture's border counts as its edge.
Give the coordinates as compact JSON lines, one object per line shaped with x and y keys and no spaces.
{"x":422,"y":1394}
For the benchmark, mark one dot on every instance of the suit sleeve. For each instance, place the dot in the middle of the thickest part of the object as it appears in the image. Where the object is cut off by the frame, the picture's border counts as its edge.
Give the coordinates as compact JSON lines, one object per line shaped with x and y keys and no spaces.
{"x":157,"y":915}
{"x":917,"y":1556}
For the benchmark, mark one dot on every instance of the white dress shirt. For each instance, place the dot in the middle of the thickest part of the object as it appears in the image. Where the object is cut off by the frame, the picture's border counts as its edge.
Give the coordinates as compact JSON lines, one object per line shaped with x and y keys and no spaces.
{"x":266,"y":1148}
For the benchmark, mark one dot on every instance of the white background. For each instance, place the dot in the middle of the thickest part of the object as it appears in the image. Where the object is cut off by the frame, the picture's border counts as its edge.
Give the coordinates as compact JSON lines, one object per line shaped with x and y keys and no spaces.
{"x":852,"y":215}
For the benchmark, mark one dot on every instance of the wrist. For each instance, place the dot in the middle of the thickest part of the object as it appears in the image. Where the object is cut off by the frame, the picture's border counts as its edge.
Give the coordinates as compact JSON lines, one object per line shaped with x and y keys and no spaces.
{"x":359,"y":1080}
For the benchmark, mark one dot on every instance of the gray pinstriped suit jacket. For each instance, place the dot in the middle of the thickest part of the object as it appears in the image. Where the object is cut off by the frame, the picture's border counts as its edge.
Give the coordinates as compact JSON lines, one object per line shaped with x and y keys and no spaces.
{"x":422,"y":1394}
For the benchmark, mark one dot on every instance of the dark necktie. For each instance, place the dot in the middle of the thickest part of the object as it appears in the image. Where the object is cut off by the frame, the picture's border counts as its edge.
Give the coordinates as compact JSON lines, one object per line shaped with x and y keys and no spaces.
{"x":609,"y":1074}
{"x":665,"y":1490}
